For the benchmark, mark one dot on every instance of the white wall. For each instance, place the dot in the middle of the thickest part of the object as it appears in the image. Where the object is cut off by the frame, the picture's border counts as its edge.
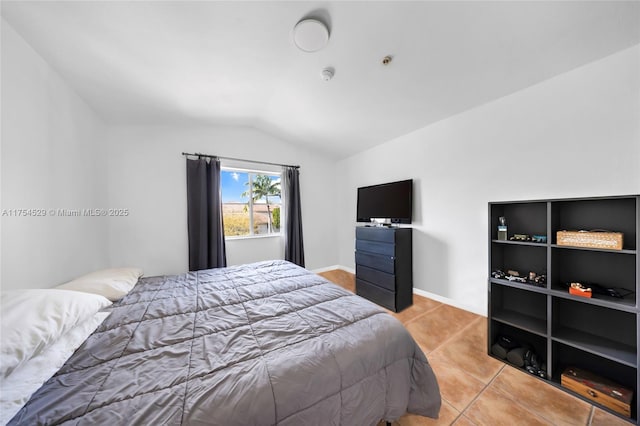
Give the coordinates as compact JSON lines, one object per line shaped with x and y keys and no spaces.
{"x":571,"y":136}
{"x":51,"y":159}
{"x":56,"y":154}
{"x":580,"y":130}
{"x":147,"y":176}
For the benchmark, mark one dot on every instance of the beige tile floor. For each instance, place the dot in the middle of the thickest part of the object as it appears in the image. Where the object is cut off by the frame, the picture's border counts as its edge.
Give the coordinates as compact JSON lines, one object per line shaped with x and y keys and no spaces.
{"x":477,"y":389}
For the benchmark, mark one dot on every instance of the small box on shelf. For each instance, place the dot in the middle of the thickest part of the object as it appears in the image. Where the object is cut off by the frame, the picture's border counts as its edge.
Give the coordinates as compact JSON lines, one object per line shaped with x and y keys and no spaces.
{"x":598,"y":389}
{"x":578,"y":289}
{"x":590,"y":239}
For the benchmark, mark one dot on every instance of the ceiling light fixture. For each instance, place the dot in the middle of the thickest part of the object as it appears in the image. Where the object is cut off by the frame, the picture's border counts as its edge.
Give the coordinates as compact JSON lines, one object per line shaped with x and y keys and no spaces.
{"x":310,"y":35}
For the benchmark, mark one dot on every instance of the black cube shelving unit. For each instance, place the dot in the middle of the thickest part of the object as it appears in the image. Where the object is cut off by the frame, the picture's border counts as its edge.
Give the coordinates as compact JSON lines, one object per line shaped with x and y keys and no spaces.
{"x":598,"y":334}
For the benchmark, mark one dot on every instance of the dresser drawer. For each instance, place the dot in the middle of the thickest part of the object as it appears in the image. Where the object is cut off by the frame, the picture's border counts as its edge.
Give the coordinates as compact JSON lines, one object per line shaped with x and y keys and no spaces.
{"x":376,"y":261}
{"x":373,"y":233}
{"x":376,"y":294}
{"x":379,"y":278}
{"x":376,"y":247}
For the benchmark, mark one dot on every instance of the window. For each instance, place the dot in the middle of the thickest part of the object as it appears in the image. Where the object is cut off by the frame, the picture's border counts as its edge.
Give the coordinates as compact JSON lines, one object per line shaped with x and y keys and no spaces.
{"x":250,"y":202}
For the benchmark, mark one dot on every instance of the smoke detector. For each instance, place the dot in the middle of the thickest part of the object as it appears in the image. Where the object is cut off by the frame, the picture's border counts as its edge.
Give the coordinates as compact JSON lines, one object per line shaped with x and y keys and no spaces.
{"x":327,"y":74}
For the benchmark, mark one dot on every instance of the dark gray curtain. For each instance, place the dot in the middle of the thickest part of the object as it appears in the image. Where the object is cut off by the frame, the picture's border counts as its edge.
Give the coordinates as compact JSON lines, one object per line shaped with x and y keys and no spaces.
{"x":204,"y":215}
{"x":293,"y":246}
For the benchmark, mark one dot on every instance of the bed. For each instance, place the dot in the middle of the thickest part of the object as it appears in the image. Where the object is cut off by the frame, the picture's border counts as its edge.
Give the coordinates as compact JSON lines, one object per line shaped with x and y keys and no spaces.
{"x":267,"y":343}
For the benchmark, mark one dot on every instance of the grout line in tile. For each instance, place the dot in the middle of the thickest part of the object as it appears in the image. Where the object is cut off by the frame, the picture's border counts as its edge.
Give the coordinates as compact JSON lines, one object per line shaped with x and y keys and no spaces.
{"x":541,"y":415}
{"x":421,"y":315}
{"x":508,"y":396}
{"x":483,"y":389}
{"x":454,"y":334}
{"x":456,"y":418}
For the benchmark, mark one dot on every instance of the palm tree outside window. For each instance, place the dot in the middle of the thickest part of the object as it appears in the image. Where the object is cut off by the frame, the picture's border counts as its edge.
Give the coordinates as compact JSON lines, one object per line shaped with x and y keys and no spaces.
{"x":251,"y":202}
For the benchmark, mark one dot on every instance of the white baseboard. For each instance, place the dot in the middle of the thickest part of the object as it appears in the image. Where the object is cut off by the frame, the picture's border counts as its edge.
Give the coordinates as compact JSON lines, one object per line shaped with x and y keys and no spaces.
{"x":417,"y":291}
{"x":332,"y":268}
{"x":447,"y":301}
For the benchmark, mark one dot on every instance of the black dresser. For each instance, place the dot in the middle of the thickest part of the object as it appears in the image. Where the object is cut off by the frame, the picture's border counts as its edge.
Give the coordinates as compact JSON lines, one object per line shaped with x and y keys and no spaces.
{"x":384,"y":266}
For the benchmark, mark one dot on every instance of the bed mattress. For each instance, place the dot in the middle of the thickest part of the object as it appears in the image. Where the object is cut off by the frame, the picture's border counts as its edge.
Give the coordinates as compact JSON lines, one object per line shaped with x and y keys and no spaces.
{"x":267,"y":343}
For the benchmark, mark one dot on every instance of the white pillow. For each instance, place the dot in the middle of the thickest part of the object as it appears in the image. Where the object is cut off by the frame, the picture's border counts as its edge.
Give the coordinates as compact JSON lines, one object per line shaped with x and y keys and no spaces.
{"x":16,"y":389}
{"x":113,"y":284}
{"x":33,"y":319}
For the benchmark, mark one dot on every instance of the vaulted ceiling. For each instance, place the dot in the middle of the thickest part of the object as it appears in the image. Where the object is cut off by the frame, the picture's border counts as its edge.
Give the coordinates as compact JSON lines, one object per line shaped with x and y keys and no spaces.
{"x":183,"y":62}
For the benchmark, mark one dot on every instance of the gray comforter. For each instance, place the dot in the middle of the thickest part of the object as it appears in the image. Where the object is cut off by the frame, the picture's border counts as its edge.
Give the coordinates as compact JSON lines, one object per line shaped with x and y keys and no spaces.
{"x":268,"y":343}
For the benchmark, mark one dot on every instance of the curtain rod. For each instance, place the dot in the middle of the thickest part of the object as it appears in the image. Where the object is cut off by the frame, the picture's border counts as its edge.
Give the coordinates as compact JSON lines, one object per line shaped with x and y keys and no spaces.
{"x":239,"y":159}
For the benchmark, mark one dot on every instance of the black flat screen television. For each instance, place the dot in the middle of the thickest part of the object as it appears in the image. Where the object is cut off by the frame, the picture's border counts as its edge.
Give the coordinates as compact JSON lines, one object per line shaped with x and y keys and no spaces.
{"x":393,"y":201}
